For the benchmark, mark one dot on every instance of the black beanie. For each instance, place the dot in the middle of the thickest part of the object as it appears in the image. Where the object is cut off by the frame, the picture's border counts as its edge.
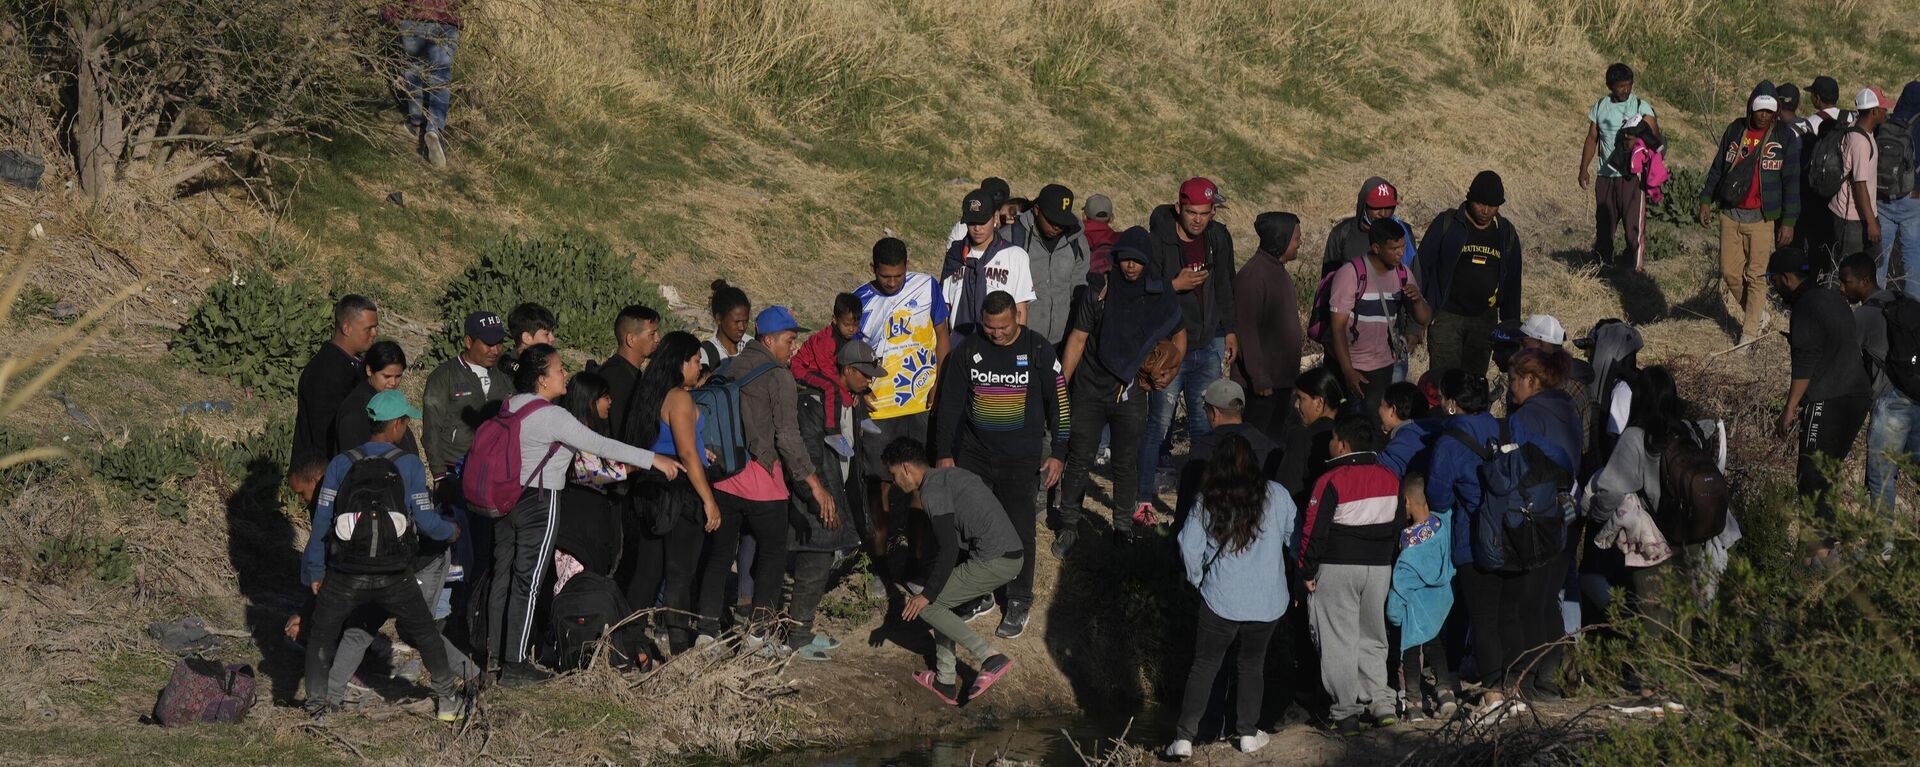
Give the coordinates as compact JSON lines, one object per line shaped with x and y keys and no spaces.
{"x":1275,"y":229}
{"x":1487,"y":189}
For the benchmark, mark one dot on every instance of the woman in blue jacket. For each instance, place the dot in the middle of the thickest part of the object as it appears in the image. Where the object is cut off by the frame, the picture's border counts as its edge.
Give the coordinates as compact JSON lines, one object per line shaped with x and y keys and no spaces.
{"x":1544,"y":416}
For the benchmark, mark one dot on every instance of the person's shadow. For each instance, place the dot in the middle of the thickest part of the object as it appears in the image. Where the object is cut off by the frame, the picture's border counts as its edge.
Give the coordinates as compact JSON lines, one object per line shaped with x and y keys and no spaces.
{"x":260,"y":546}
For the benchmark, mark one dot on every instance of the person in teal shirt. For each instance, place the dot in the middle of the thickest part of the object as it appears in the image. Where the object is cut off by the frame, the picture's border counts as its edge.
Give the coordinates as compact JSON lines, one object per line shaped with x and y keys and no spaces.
{"x":1618,"y":199}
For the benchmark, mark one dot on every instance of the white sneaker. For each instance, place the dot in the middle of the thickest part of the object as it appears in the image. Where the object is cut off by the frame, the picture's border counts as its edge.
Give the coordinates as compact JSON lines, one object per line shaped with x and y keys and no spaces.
{"x":1251,"y":743}
{"x":1180,"y":749}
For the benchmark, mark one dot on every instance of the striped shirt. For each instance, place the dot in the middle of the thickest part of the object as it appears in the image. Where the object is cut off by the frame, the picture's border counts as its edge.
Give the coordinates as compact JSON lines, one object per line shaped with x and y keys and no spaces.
{"x":1372,"y":304}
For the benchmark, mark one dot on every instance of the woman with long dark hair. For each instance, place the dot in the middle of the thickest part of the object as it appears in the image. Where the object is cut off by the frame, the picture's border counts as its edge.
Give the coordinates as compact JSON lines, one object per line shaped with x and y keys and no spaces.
{"x":1233,"y":546}
{"x":588,"y":533}
{"x":1318,"y":396}
{"x":550,"y":437}
{"x":669,"y":521}
{"x":386,"y":364}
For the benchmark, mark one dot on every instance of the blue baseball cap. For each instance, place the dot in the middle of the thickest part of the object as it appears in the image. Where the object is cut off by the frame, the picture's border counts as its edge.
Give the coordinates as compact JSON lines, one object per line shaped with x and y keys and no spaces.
{"x":776,"y":319}
{"x":389,"y":405}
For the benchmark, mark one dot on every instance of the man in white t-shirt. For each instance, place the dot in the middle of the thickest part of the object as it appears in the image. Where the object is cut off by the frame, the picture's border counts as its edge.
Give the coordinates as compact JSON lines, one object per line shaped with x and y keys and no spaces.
{"x":983,"y":263}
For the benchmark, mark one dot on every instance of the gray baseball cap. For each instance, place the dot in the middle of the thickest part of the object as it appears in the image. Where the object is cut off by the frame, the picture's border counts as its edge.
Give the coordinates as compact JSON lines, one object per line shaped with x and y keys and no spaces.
{"x":857,"y":354}
{"x":1225,"y":395}
{"x":1098,"y":208}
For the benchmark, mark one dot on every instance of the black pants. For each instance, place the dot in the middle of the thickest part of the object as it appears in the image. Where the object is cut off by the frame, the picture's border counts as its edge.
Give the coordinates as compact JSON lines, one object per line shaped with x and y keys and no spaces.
{"x":399,"y":595}
{"x":1504,"y":612}
{"x":522,"y":555}
{"x":1014,"y":480}
{"x":1091,"y":416}
{"x":1827,"y":428}
{"x":1544,"y":651}
{"x":1459,"y":342}
{"x":767,"y":521}
{"x":660,"y":569}
{"x":1272,"y":414}
{"x":811,"y":571}
{"x":1368,"y":398}
{"x":1420,"y":661}
{"x":1213,"y":636}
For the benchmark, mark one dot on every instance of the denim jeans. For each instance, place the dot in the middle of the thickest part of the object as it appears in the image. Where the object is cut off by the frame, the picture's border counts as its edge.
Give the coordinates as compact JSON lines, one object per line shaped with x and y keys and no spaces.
{"x":1200,"y":368}
{"x":1892,"y":440}
{"x":429,"y":47}
{"x":1900,"y":220}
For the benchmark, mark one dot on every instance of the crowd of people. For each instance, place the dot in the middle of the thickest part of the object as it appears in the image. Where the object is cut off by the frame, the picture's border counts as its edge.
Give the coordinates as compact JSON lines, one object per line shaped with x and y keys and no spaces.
{"x":943,"y":414}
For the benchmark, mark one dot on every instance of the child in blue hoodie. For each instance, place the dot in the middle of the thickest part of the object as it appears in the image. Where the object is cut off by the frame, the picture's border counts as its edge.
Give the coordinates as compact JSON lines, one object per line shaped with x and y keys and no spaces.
{"x":1421,"y":597}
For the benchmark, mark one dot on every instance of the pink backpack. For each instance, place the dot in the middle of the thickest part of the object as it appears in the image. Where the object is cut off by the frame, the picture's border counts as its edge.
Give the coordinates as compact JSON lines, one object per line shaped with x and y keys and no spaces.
{"x":490,"y":479}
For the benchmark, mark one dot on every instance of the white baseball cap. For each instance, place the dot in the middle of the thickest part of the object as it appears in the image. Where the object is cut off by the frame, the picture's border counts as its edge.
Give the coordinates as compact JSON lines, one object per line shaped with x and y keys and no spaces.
{"x":1763,"y":103}
{"x":1544,"y":328}
{"x":1869,"y":98}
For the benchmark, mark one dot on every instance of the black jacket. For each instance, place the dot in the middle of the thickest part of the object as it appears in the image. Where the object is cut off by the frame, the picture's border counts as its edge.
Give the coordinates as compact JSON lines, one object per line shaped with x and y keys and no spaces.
{"x":1440,"y":253}
{"x":1209,"y":308}
{"x":324,"y":383}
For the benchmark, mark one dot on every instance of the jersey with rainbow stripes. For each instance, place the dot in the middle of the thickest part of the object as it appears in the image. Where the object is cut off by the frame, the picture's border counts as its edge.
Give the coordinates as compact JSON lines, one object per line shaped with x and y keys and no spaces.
{"x":1012,"y":398}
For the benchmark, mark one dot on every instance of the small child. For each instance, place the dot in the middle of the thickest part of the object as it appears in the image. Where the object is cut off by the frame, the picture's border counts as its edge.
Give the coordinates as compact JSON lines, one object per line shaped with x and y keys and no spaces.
{"x":1421,"y":597}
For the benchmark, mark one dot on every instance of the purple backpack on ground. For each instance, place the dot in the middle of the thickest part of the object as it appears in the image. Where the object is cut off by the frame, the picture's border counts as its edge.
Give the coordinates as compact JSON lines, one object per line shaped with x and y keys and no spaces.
{"x":203,"y":690}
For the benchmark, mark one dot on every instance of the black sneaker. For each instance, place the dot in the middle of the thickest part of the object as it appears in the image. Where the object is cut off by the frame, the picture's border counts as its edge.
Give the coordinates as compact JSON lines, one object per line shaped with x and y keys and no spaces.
{"x":1013,"y":620}
{"x":1348,"y":727}
{"x":318,"y":712}
{"x":1063,"y":542}
{"x":1539,"y":693}
{"x":522,"y":674}
{"x":976,"y":608}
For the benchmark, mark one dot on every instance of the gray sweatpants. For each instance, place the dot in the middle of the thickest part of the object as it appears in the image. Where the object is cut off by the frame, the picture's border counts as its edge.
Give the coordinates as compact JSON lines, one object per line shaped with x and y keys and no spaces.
{"x":355,"y":642}
{"x":969,"y":581}
{"x":1348,"y":608}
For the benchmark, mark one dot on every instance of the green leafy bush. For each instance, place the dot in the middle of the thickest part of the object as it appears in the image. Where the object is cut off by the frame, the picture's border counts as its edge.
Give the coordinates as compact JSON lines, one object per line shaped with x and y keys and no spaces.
{"x":153,"y":466}
{"x":255,"y":330}
{"x":78,"y":555}
{"x":1681,"y":205}
{"x":575,"y":274}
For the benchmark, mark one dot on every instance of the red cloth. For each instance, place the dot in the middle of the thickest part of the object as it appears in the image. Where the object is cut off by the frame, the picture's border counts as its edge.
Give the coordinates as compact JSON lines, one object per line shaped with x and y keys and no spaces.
{"x":1100,"y":240}
{"x":817,"y":364}
{"x":1749,"y":144}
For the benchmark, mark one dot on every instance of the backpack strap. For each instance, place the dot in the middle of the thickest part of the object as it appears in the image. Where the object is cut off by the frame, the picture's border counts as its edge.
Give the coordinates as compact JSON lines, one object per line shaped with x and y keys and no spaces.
{"x":757,"y":371}
{"x":1464,"y":438}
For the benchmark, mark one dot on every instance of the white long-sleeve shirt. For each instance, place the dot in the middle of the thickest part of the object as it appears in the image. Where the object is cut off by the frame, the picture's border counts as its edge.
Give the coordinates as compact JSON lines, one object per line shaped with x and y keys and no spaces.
{"x":554,"y":426}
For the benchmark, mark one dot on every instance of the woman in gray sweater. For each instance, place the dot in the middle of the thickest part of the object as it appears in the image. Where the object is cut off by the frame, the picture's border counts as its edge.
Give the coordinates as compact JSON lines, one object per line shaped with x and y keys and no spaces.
{"x":523,"y":540}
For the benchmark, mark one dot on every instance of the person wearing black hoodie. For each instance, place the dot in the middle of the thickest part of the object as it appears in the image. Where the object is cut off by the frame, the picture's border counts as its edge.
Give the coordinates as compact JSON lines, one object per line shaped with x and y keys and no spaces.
{"x":1377,"y":202}
{"x":1114,"y":329}
{"x":1829,"y":396}
{"x":1266,"y":306}
{"x":1469,"y":267}
{"x":1900,"y":214}
{"x":1195,"y":252}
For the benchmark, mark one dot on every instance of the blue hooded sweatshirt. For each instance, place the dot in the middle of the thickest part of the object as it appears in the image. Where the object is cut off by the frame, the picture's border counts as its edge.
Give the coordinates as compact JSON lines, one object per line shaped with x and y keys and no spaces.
{"x":1455,"y":481}
{"x":1422,"y":591}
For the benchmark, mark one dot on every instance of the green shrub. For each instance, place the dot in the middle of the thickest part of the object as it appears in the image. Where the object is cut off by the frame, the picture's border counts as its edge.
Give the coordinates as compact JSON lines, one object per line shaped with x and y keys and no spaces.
{"x":575,"y":274}
{"x":153,"y":466}
{"x":256,"y":331}
{"x":78,"y":555}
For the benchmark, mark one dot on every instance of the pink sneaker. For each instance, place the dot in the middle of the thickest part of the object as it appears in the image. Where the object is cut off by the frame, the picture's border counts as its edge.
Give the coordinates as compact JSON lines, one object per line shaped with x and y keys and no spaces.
{"x":946,"y":692}
{"x":1143,"y":518}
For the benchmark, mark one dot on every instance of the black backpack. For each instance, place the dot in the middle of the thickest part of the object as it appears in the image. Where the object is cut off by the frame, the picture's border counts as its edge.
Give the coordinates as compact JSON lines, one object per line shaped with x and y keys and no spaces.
{"x":1902,"y":367}
{"x":1894,"y":140}
{"x":1827,"y":173}
{"x":1694,"y":493}
{"x":582,"y":613}
{"x":372,"y":531}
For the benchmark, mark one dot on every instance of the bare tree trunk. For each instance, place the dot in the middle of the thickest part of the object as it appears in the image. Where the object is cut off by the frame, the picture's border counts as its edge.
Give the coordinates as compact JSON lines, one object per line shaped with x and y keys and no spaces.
{"x":89,"y":133}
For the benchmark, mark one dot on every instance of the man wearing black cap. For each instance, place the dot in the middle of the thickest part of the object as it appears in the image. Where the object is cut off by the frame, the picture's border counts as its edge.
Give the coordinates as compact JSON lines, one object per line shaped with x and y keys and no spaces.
{"x":1006,"y":210}
{"x":1469,"y":269}
{"x":1815,"y":231}
{"x":1266,"y":307}
{"x":1788,"y":95}
{"x":981,"y":263}
{"x":1113,"y":331}
{"x":1754,"y":179}
{"x":1829,"y":394}
{"x":1057,"y":253}
{"x":463,"y":392}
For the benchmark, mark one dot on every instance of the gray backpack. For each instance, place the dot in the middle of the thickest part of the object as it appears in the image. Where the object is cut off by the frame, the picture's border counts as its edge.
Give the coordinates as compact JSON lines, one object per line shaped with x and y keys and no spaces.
{"x":1894,"y":141}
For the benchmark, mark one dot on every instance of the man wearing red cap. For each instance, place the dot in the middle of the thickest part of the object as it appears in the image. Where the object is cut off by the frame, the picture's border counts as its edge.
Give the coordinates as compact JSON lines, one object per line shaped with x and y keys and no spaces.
{"x":1195,"y":253}
{"x":1378,"y":201}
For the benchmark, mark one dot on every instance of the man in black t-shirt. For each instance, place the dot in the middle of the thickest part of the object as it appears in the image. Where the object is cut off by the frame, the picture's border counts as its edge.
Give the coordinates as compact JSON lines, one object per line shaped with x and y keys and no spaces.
{"x":1470,"y":271}
{"x":1114,"y":330}
{"x":1828,"y":398}
{"x":329,"y":377}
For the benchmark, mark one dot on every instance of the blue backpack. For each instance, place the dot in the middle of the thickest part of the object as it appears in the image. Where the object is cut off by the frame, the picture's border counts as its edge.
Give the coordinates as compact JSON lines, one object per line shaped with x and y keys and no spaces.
{"x":720,"y":427}
{"x":1525,"y":504}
